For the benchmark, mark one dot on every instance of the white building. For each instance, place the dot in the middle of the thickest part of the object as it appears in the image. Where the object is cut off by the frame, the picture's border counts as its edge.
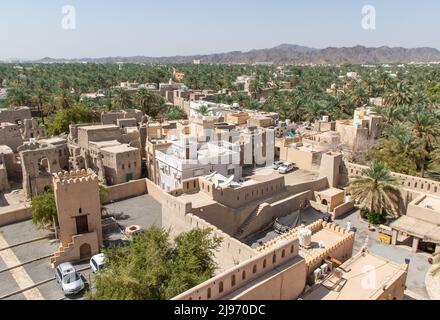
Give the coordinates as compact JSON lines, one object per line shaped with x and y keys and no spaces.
{"x":186,"y":158}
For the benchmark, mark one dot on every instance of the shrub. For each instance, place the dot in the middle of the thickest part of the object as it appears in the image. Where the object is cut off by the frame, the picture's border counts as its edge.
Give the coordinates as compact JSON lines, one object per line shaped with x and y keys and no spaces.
{"x":372,"y":217}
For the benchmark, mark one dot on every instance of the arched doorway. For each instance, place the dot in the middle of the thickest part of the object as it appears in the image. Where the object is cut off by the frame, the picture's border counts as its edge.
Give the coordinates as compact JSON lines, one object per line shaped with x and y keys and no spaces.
{"x":43,"y":166}
{"x":324,"y":202}
{"x":85,"y":251}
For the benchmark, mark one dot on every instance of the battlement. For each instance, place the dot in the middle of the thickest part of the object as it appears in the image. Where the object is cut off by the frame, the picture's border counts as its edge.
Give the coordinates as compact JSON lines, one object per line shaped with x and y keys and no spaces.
{"x":74,"y":176}
{"x":336,"y":241}
{"x":314,"y":227}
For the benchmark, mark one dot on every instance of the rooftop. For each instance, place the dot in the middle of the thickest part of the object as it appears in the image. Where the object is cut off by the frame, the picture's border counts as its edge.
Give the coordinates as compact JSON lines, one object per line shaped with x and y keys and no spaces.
{"x":119,"y":148}
{"x":430,"y":202}
{"x":99,"y":127}
{"x":330,"y":192}
{"x":417,"y":227}
{"x":54,"y":140}
{"x":325,"y":236}
{"x":348,"y":281}
{"x":106,"y":143}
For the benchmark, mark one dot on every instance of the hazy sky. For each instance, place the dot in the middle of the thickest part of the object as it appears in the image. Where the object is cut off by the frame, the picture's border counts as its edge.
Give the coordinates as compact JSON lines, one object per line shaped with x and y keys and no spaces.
{"x":33,"y":29}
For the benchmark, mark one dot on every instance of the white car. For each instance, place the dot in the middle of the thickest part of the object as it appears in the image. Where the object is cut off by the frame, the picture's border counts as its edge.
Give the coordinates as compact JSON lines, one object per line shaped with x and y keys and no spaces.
{"x":277,"y":164}
{"x":70,"y":280}
{"x":286,"y":167}
{"x":97,"y":262}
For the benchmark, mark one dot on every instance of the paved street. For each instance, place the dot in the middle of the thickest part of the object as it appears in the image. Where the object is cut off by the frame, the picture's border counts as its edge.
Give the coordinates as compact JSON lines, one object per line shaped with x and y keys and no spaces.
{"x":419,"y":264}
{"x":143,"y":211}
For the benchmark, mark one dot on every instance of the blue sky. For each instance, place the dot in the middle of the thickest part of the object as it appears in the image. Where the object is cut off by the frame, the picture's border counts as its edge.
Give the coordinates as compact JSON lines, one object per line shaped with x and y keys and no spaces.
{"x":32,"y":29}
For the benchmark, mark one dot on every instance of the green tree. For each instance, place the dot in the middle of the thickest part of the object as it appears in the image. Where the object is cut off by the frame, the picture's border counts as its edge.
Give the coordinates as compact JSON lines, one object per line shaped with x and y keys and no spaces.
{"x":60,"y":122}
{"x":122,"y":99}
{"x":377,"y":190}
{"x":148,"y":101}
{"x":152,"y":267}
{"x":44,"y":211}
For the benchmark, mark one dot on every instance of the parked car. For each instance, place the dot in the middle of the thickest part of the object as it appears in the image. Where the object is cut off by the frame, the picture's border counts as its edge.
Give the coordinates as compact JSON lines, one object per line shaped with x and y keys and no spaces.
{"x":286,"y":167}
{"x":70,"y":280}
{"x":277,"y":164}
{"x":97,"y":262}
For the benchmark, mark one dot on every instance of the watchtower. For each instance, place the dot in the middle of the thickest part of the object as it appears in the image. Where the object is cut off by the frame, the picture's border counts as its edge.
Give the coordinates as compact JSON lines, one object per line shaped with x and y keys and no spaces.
{"x":79,"y":215}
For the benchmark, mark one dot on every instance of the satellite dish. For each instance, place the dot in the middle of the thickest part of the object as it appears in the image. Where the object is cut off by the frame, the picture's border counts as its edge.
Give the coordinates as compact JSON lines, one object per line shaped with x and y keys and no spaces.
{"x":209,"y":177}
{"x":228,"y":182}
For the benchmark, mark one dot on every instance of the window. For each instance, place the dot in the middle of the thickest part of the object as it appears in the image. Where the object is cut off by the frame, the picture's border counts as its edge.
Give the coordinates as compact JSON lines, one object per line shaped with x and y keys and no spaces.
{"x":123,"y":167}
{"x":233,"y":280}
{"x":243,"y":275}
{"x":264,"y":263}
{"x":231,"y":172}
{"x":274,"y":258}
{"x":82,"y":225}
{"x":220,"y":287}
{"x":283,"y":253}
{"x":254,"y":269}
{"x":209,"y":293}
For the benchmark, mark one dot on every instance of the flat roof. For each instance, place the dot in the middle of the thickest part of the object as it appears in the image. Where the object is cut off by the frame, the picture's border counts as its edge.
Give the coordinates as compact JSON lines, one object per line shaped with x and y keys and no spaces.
{"x":105,"y":143}
{"x":430,"y":202}
{"x":330,"y":192}
{"x":54,"y":140}
{"x":5,"y":149}
{"x":347,"y":281}
{"x":98,"y":127}
{"x":326,"y":236}
{"x":419,"y":228}
{"x":119,"y":148}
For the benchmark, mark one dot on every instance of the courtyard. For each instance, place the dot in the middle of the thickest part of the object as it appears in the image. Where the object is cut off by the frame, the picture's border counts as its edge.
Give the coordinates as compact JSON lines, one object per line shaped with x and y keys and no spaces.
{"x":25,"y":251}
{"x":418,"y":266}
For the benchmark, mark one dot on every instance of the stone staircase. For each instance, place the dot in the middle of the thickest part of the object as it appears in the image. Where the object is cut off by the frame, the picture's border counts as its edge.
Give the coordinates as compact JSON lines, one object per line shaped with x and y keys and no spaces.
{"x":60,"y":252}
{"x":249,"y":220}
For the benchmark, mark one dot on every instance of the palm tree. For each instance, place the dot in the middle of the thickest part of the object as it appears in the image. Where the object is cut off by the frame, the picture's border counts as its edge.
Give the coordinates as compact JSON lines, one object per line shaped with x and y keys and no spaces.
{"x":377,"y":190}
{"x":40,"y":98}
{"x":203,"y":110}
{"x":17,"y":97}
{"x":359,"y":96}
{"x":400,"y":95}
{"x":427,"y":128}
{"x":64,"y":99}
{"x":256,"y":88}
{"x":121,"y":98}
{"x":147,"y":101}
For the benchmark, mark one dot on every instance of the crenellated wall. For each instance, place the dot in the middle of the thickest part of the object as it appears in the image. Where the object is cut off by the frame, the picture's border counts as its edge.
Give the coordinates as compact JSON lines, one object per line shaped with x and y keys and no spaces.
{"x":340,"y":250}
{"x":412,"y":183}
{"x":239,"y":197}
{"x":244,"y":273}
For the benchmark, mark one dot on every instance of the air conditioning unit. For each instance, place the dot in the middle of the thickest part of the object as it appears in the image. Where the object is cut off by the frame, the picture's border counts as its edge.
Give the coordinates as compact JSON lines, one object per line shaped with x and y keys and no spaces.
{"x":317,"y":274}
{"x":325,"y":269}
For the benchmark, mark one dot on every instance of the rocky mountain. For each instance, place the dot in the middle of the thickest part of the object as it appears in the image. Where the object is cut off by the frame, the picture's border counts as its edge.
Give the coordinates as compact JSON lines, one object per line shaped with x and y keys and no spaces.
{"x":287,"y":54}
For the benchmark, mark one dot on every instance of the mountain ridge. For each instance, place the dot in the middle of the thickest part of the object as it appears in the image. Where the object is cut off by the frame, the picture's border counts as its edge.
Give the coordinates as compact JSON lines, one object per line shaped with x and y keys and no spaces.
{"x":284,"y":54}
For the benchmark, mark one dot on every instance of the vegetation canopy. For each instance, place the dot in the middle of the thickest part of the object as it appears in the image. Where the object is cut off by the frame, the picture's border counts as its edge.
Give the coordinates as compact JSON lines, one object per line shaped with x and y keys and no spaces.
{"x":152,"y":267}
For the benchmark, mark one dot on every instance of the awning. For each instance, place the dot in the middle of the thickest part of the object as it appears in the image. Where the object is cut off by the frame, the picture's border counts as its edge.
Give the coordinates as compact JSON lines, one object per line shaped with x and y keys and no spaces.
{"x":428,"y":232}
